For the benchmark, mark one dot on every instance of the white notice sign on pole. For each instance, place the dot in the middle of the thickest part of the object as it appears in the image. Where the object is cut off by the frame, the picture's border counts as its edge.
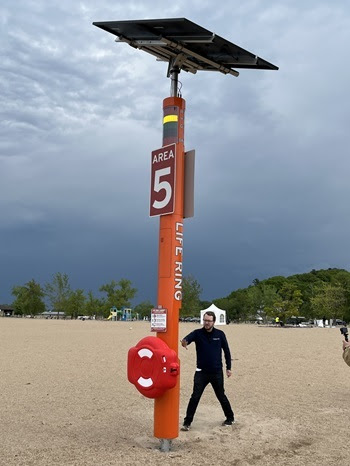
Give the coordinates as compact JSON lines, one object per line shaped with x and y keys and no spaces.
{"x":158,"y":320}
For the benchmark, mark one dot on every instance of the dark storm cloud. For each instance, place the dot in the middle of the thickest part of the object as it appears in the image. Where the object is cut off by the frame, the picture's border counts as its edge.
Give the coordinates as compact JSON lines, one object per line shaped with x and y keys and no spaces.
{"x":80,"y":115}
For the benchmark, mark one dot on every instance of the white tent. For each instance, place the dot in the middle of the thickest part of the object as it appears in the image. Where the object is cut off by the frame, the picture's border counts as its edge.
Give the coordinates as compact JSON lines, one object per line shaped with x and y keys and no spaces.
{"x":219,"y":313}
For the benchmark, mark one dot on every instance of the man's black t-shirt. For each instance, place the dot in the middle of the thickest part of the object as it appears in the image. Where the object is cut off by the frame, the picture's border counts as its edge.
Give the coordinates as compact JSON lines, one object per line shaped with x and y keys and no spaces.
{"x":209,"y":346}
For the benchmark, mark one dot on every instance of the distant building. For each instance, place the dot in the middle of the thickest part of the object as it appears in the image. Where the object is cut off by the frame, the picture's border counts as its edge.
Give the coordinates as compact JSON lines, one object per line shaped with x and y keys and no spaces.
{"x":53,"y":315}
{"x":6,"y":311}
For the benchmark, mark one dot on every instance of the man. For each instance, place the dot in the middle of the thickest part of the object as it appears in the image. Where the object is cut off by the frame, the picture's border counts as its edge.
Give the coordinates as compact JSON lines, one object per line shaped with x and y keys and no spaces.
{"x":346,"y":352}
{"x":210,"y":342}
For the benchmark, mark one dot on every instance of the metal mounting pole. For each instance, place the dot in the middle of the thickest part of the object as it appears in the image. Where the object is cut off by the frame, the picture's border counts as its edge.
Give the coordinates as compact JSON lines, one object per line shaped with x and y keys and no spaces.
{"x":174,"y":76}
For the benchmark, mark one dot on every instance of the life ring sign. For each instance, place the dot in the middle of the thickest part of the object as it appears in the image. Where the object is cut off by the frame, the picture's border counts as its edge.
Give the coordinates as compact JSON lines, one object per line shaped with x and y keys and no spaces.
{"x":153,"y":367}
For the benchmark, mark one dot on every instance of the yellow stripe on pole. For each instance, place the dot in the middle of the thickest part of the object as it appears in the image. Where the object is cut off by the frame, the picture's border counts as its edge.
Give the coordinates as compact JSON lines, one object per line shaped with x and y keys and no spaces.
{"x":169,"y":118}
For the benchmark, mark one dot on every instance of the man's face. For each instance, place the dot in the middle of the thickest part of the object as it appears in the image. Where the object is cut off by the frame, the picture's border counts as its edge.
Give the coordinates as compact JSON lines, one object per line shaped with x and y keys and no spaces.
{"x":208,"y":323}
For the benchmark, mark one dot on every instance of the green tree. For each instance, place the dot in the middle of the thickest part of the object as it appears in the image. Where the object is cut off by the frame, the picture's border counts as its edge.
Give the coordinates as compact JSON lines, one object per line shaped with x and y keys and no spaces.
{"x":143,"y":309}
{"x":75,"y":304}
{"x":29,"y":298}
{"x":289,"y":302}
{"x":255,"y":301}
{"x":238,"y":305}
{"x":221,"y":303}
{"x":270,"y":296}
{"x":119,"y":294}
{"x":277,"y":281}
{"x":191,"y":291}
{"x":93,"y":306}
{"x":261,"y":300}
{"x":58,"y":292}
{"x":329,"y":302}
{"x":204,"y":304}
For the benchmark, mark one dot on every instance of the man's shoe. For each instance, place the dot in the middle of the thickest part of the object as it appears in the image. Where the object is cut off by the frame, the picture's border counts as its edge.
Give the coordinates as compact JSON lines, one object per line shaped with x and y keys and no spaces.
{"x":227,"y":422}
{"x":185,"y":428}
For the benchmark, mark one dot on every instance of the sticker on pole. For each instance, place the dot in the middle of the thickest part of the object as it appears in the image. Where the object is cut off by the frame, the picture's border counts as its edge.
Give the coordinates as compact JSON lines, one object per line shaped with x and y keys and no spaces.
{"x":163,"y":181}
{"x":159,"y":320}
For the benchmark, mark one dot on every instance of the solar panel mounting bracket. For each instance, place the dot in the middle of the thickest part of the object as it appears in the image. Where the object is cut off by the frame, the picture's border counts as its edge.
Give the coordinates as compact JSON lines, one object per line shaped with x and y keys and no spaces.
{"x":184,"y":45}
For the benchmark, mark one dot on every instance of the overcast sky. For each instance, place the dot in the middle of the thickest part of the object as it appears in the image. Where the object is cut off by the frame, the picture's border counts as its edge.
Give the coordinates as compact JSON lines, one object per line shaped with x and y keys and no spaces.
{"x":80,"y":115}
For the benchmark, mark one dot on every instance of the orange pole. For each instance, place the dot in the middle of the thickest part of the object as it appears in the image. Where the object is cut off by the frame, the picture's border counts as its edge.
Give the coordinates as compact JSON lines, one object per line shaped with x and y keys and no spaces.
{"x":166,"y":408}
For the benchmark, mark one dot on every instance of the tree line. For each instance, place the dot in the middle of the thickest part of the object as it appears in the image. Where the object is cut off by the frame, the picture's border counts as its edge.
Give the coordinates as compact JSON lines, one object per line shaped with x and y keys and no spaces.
{"x":32,"y":298}
{"x":317,"y":294}
{"x":314,"y":295}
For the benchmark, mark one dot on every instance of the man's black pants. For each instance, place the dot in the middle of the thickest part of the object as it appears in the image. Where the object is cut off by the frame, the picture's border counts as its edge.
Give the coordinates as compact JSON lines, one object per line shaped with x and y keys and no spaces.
{"x":201,"y":380}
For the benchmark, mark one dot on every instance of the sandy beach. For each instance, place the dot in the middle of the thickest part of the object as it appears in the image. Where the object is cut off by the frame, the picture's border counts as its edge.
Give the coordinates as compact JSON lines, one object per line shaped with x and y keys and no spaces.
{"x":65,"y":398}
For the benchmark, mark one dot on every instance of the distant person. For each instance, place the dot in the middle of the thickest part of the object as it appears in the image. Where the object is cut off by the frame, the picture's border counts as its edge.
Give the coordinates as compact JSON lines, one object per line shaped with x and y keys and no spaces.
{"x":277,"y":321}
{"x":346,"y":352}
{"x":324,"y":322}
{"x":210,"y":342}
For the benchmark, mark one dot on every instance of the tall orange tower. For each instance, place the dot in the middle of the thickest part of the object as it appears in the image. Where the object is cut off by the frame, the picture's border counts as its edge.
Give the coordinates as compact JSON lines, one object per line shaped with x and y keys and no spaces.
{"x":192,"y":48}
{"x":166,"y":408}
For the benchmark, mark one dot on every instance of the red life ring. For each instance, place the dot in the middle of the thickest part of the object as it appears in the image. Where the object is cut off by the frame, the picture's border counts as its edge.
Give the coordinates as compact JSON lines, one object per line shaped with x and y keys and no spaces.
{"x":153,"y":367}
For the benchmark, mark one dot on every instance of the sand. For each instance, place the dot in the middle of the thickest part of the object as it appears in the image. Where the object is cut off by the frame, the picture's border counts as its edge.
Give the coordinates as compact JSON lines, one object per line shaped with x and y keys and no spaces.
{"x":65,"y":398}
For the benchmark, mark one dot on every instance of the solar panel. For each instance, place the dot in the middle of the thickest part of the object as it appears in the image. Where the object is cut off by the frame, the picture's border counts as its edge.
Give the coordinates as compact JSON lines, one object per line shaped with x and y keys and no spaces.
{"x":184,"y":44}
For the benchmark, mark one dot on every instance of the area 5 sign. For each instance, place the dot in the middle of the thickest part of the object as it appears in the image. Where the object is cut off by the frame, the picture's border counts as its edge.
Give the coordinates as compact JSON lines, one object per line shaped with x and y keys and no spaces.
{"x":163,"y":180}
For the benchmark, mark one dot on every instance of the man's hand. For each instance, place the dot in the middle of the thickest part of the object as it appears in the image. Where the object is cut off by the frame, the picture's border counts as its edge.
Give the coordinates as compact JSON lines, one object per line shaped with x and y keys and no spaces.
{"x":228,"y":373}
{"x":184,"y":343}
{"x":346,"y":344}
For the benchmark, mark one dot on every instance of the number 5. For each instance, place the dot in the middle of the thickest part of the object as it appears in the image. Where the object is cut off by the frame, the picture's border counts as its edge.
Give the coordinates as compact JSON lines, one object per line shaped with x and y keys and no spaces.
{"x":159,"y":185}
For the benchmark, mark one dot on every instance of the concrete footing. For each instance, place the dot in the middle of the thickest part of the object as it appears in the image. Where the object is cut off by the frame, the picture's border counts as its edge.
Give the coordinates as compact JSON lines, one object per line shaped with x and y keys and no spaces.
{"x":165,"y":444}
